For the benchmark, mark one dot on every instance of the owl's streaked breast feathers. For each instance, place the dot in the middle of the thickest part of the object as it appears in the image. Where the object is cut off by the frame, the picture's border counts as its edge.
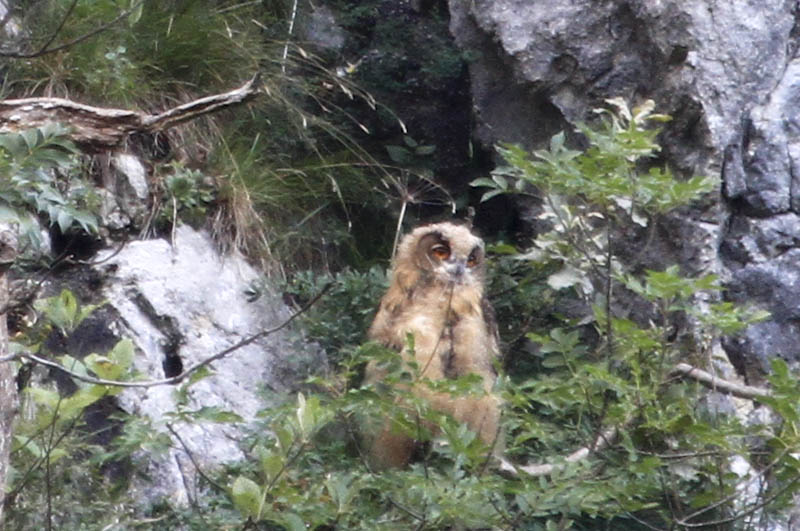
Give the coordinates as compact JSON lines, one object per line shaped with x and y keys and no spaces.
{"x":437,"y":294}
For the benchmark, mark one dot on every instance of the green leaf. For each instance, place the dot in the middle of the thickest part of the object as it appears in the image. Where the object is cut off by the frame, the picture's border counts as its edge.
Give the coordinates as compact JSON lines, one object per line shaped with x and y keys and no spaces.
{"x":86,"y":220}
{"x":410,"y":142}
{"x":198,"y":375}
{"x":56,"y":453}
{"x":342,"y":489}
{"x":73,"y":405}
{"x":272,"y":464}
{"x":483,"y":181}
{"x":44,"y":397}
{"x":115,"y":363}
{"x":32,"y":138}
{"x":399,"y":154}
{"x":30,"y":446}
{"x":501,"y":182}
{"x":284,"y":437}
{"x":62,"y":311}
{"x":294,"y":522}
{"x":216,"y":414}
{"x":122,"y":353}
{"x":73,"y":365}
{"x":103,"y":367}
{"x":567,"y":277}
{"x":136,"y":13}
{"x":490,"y":194}
{"x":246,"y":496}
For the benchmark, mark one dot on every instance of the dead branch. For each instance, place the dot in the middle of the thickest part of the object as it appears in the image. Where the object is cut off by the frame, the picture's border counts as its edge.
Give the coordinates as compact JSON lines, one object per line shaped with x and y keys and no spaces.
{"x":174,"y":379}
{"x":46,"y":47}
{"x":609,"y":436}
{"x":606,"y":439}
{"x":715,"y":383}
{"x":98,"y":128}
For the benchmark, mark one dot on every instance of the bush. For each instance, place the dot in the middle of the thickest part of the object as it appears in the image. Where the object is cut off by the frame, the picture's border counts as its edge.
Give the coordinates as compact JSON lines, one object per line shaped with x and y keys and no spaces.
{"x":602,"y":431}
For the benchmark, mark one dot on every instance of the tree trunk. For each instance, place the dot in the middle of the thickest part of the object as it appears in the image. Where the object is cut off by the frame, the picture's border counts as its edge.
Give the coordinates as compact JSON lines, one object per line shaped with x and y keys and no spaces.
{"x":8,"y":386}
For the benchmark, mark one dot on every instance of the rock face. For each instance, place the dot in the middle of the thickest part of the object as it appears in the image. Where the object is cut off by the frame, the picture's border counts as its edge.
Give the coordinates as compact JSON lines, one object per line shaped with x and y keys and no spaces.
{"x":181,"y":304}
{"x":726,"y":72}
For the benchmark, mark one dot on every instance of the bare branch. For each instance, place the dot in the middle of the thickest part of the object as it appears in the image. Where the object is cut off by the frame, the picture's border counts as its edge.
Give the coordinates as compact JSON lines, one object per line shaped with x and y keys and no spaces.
{"x":45,"y":48}
{"x":209,"y":104}
{"x":64,"y":19}
{"x":217,"y":486}
{"x":603,"y":441}
{"x":718,"y":384}
{"x":174,"y":379}
{"x":610,"y":435}
{"x":99,"y":128}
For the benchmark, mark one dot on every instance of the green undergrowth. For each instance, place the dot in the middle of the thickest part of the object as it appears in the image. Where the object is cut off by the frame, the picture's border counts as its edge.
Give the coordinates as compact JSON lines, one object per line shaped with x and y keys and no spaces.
{"x":284,"y":179}
{"x":151,"y":53}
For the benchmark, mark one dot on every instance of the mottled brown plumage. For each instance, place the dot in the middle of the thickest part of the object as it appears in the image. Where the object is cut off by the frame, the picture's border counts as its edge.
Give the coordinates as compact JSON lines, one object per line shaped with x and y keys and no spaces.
{"x":437,"y":294}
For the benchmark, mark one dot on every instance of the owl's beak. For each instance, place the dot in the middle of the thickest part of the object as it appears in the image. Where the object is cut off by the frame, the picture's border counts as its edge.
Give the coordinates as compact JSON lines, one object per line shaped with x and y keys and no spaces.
{"x":457,"y":270}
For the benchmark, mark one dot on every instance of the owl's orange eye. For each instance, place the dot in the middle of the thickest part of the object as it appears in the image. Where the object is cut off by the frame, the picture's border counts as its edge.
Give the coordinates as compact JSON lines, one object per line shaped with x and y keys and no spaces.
{"x":472,"y":260}
{"x":440,"y":252}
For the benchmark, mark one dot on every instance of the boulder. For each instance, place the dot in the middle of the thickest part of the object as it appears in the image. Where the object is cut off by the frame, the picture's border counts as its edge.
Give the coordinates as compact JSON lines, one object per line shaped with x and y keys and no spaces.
{"x":181,"y":302}
{"x":726,"y":72}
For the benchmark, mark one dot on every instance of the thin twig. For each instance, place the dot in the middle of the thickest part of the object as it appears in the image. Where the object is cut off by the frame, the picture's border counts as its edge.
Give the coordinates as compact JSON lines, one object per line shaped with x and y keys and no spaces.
{"x":197,"y":467}
{"x":684,"y":521}
{"x":45,"y":50}
{"x":607,"y":437}
{"x":64,"y":19}
{"x":174,"y":379}
{"x":603,"y":441}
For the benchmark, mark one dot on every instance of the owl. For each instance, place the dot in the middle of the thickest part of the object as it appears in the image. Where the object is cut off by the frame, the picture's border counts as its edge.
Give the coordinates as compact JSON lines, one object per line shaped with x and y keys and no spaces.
{"x":437,"y":295}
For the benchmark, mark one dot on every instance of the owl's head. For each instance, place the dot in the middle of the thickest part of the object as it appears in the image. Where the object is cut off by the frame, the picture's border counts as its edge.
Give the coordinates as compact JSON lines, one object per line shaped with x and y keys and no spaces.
{"x":448,"y":252}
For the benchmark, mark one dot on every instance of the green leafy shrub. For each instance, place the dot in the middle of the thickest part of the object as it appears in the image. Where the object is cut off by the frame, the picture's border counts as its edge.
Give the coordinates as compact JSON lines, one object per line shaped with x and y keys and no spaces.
{"x":40,"y":174}
{"x":186,"y":194}
{"x":340,"y":320}
{"x":159,"y":50}
{"x":622,"y":377}
{"x":58,"y":464}
{"x":604,"y":382}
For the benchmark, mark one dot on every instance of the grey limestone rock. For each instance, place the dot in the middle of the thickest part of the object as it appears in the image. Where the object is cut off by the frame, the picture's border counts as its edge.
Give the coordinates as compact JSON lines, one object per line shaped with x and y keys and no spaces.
{"x":181,"y":303}
{"x":728,"y":74}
